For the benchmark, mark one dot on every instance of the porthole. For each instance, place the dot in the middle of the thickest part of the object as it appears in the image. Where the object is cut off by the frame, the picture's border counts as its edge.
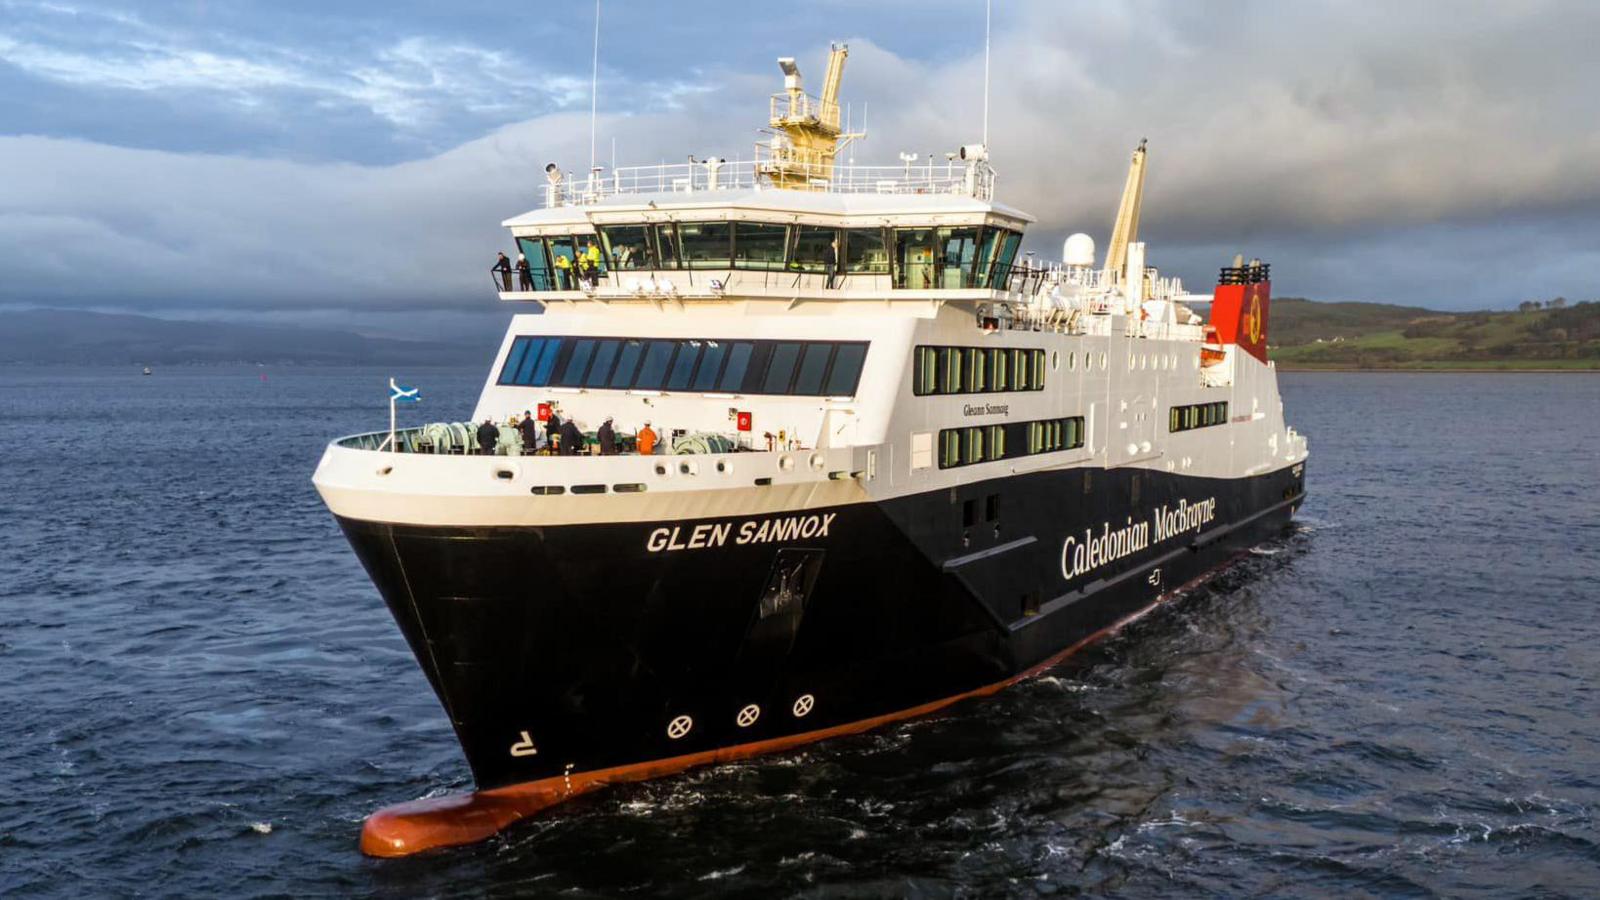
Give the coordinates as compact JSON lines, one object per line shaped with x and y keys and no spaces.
{"x":1055,"y":360}
{"x":724,"y":467}
{"x":786,"y":463}
{"x":1102,"y":360}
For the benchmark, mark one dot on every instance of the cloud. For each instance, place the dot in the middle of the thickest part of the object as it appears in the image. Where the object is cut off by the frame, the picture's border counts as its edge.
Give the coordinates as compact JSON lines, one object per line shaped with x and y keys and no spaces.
{"x":1369,"y":151}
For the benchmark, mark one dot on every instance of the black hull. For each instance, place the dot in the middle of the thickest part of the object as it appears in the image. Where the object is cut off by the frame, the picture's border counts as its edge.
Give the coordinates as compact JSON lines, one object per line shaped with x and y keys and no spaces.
{"x":593,"y":639}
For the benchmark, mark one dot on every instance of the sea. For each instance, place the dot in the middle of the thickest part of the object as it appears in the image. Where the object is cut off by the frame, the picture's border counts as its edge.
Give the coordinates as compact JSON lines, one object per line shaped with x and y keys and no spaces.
{"x":202,"y":695}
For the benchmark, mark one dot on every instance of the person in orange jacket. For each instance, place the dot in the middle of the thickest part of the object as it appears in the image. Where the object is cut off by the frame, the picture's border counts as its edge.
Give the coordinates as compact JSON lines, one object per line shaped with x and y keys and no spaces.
{"x":647,"y":440}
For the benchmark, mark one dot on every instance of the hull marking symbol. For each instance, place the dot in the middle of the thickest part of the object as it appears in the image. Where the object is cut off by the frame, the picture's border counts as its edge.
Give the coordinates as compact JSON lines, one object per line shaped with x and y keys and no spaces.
{"x":1155,"y":577}
{"x":524,"y":747}
{"x":803,"y":705}
{"x":748,"y":716}
{"x":679,"y":727}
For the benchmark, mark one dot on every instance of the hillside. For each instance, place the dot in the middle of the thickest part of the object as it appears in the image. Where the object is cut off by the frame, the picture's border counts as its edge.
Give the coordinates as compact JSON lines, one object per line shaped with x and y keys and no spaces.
{"x":53,"y":336}
{"x":1305,"y":334}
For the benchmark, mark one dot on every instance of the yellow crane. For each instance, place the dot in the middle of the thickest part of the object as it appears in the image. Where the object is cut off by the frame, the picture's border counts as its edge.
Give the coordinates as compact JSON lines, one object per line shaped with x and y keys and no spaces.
{"x":1126,"y":229}
{"x":807,"y":135}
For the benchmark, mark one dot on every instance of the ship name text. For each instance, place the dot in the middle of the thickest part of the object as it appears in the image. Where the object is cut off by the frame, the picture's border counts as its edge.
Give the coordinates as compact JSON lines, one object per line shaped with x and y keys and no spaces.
{"x":752,"y":531}
{"x":986,"y":409}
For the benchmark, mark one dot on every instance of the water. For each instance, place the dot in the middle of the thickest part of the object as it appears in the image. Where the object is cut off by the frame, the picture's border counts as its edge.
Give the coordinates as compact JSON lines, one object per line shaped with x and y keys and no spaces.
{"x":202,"y":693}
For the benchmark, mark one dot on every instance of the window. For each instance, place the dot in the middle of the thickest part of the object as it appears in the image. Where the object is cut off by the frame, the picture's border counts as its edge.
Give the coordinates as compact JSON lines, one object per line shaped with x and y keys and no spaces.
{"x":1197,"y":415}
{"x":988,"y":443}
{"x":846,"y":370}
{"x":976,"y":370}
{"x":811,"y":248}
{"x":706,"y":245}
{"x":813,"y":365}
{"x":914,"y":268}
{"x":668,"y":253}
{"x":538,"y":262}
{"x":705,"y":378}
{"x":604,"y":356}
{"x":805,"y":368}
{"x":563,"y":248}
{"x":865,"y":251}
{"x":759,"y":246}
{"x":781,"y":369}
{"x":627,"y":247}
{"x":683,"y":366}
{"x":738,"y":363}
{"x":958,"y":250}
{"x":654,"y":369}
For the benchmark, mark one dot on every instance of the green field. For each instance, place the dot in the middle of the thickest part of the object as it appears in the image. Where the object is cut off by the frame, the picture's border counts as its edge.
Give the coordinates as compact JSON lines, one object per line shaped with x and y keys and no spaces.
{"x":1304,"y":334}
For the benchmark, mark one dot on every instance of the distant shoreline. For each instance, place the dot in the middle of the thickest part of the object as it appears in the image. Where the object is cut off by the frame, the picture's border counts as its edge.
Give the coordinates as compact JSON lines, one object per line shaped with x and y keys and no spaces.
{"x":1446,"y":370}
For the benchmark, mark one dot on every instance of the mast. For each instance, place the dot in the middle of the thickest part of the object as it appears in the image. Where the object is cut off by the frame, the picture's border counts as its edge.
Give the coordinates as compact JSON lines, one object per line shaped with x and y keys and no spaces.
{"x":1126,"y":229}
{"x":808,"y":137}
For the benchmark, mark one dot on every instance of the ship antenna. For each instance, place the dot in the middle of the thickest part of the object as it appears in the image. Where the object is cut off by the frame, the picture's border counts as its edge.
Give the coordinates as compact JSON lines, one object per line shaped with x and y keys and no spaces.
{"x":594,"y":84}
{"x":988,"y":6}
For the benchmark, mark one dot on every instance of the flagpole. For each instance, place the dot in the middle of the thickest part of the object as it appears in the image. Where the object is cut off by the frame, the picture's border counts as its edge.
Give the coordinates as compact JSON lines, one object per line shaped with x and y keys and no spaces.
{"x":393,"y":391}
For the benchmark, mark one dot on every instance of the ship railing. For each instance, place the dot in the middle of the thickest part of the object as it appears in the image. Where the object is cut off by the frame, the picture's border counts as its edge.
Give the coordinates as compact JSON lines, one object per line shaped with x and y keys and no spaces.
{"x":928,"y":177}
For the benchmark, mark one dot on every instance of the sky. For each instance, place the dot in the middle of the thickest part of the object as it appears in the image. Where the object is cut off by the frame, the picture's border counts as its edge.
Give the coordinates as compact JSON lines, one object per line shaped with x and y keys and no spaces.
{"x":348,"y":164}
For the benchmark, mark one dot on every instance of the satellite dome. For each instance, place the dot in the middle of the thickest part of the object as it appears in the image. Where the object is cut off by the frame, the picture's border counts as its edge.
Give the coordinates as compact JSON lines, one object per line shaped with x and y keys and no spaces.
{"x":1078,"y":250}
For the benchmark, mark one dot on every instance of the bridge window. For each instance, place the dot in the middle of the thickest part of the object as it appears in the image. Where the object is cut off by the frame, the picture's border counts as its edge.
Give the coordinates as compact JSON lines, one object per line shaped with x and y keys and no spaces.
{"x":706,"y":245}
{"x":654,"y":368}
{"x":538,"y":263}
{"x":627,"y":364}
{"x":705,"y":377}
{"x":975,"y":370}
{"x":683,"y":366}
{"x":627,"y":247}
{"x":974,"y":444}
{"x":810,"y":253}
{"x":759,"y":246}
{"x":779,"y":371}
{"x":668,"y":252}
{"x":605,"y":355}
{"x":1197,"y":415}
{"x":846,"y":370}
{"x":914,"y":268}
{"x":866,"y":252}
{"x":577,"y":365}
{"x":739,"y":355}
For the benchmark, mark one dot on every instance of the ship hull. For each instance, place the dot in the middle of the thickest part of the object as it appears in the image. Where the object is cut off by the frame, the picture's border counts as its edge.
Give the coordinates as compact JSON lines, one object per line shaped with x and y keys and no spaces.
{"x":573,"y":651}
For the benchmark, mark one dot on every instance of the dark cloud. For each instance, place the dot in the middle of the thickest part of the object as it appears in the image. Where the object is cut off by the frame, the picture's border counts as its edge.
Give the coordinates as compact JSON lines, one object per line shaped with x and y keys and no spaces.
{"x":1369,"y":150}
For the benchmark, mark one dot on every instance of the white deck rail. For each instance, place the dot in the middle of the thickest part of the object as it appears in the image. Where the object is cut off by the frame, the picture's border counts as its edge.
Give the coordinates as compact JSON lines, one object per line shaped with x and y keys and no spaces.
{"x":925,"y":177}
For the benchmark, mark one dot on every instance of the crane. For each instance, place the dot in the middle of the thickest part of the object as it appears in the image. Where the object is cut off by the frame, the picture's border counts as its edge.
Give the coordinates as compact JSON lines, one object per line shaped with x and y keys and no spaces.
{"x":1126,"y":229}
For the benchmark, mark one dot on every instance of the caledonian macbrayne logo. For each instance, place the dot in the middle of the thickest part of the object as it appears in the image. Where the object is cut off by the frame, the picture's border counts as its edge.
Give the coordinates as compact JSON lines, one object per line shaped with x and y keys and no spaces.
{"x":1111,"y":544}
{"x":1252,"y":322}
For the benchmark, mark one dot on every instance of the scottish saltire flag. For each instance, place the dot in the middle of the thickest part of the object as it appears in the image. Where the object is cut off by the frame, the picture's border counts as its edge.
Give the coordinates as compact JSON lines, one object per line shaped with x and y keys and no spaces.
{"x":399,"y":393}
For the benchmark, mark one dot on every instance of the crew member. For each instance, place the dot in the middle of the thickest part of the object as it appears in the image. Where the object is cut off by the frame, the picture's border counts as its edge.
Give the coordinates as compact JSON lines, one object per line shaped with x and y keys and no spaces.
{"x":571,"y":439}
{"x":608,"y":438}
{"x":488,"y":435}
{"x":503,"y":266}
{"x":529,"y":426}
{"x":647,"y":440}
{"x":524,"y":273}
{"x":552,"y":430}
{"x":830,"y":262}
{"x":591,"y":254}
{"x":564,"y":272}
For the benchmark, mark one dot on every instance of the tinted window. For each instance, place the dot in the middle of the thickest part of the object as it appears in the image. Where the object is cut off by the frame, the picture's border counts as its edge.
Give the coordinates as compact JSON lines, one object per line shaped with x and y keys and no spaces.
{"x":738,"y":362}
{"x":577,"y":364}
{"x":683,"y":366}
{"x":513,"y":359}
{"x":811,"y":248}
{"x":759,"y":246}
{"x":846,"y":370}
{"x":865,"y":251}
{"x":813,"y":364}
{"x":627,"y":363}
{"x":705,"y":378}
{"x":654,"y":370}
{"x":706,"y":245}
{"x":525,"y":371}
{"x":547,"y":361}
{"x":781,"y":369}
{"x":627,"y":246}
{"x":667,"y":251}
{"x":604,"y":356}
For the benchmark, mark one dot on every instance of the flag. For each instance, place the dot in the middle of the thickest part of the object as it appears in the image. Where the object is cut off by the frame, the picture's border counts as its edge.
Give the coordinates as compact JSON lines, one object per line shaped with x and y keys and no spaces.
{"x":399,"y":393}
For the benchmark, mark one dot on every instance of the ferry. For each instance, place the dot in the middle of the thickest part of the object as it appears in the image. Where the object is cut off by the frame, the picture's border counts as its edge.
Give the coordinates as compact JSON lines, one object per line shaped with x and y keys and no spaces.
{"x":902,"y":463}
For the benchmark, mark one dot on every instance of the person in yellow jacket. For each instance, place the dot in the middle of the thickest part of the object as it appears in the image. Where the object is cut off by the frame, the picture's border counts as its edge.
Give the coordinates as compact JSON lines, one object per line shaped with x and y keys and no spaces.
{"x":563,"y":273}
{"x":591,"y":258}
